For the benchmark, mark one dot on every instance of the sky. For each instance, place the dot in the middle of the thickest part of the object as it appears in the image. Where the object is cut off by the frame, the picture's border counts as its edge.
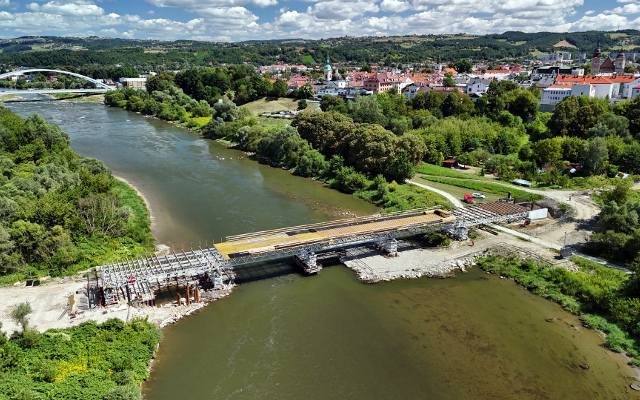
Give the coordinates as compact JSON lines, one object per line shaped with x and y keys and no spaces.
{"x":237,"y":20}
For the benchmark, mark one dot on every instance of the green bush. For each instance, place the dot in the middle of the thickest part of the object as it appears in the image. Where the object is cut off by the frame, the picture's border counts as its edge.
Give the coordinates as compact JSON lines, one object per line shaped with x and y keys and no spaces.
{"x":88,"y":361}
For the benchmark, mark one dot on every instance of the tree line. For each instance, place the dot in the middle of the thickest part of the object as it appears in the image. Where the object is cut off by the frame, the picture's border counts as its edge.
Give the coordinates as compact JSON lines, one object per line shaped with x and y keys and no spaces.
{"x":354,"y":50}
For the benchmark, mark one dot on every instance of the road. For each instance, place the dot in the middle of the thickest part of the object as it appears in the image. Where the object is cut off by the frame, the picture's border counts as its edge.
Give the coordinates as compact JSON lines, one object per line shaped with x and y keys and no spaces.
{"x":452,"y":199}
{"x":553,"y":236}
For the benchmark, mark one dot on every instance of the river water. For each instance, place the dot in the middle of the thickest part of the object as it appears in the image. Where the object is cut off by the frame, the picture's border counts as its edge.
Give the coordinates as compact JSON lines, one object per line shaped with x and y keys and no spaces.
{"x":328,"y":337}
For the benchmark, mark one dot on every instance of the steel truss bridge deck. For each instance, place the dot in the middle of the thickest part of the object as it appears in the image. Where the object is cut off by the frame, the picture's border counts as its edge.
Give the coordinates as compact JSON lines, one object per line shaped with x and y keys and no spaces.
{"x":137,"y":280}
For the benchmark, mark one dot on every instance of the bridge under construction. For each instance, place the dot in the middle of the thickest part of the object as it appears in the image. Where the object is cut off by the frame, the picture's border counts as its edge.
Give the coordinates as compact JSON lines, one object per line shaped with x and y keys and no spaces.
{"x":137,"y":281}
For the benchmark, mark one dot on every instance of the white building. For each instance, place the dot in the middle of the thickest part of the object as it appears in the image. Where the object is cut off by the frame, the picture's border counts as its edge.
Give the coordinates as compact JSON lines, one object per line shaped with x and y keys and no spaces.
{"x":553,"y":95}
{"x":134,"y":83}
{"x":477,"y":86}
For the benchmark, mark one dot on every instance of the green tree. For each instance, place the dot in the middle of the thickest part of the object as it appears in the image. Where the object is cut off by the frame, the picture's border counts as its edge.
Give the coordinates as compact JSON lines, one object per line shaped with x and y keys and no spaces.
{"x":160,"y":82}
{"x":367,"y":109}
{"x":574,"y":116}
{"x":20,"y":314}
{"x":448,"y":80}
{"x":457,"y":104}
{"x":279,"y":89}
{"x":463,"y":66}
{"x":333,"y":103}
{"x":595,"y":155}
{"x":548,"y":151}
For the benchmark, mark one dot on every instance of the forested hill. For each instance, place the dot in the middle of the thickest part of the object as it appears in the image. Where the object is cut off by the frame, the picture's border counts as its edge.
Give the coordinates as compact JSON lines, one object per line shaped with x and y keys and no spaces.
{"x":77,"y":52}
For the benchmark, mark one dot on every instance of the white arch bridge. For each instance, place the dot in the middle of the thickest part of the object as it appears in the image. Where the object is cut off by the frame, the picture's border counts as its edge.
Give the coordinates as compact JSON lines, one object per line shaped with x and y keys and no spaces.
{"x":100,"y":87}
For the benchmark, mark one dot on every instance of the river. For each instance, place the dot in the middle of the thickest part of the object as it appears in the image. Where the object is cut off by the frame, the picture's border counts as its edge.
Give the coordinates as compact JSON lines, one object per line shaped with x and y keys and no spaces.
{"x":474,"y":336}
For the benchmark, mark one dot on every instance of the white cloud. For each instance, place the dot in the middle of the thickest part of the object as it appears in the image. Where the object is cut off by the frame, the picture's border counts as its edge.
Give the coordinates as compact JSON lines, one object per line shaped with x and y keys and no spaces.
{"x":394,"y":6}
{"x":601,"y":21}
{"x":629,"y":8}
{"x":75,"y":8}
{"x":342,"y":9}
{"x":196,"y":5}
{"x":245,"y":19}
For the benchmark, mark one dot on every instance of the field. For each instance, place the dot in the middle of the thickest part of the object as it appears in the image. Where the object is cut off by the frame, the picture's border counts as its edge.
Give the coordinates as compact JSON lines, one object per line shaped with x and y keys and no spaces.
{"x":76,"y":98}
{"x":260,"y":106}
{"x":263,"y":105}
{"x":485,"y":187}
{"x":458,"y":182}
{"x":458,"y":191}
{"x":431,"y":169}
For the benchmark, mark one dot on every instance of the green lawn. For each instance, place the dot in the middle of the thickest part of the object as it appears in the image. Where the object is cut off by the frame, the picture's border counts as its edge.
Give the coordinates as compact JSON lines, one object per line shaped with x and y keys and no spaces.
{"x":273,"y":121}
{"x":263,"y":105}
{"x":484,"y":186}
{"x":431,"y":169}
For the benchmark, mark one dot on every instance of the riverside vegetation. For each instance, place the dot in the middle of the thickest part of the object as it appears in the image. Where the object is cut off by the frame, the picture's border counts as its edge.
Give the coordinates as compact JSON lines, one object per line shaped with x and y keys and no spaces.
{"x":363,"y":166}
{"x":105,"y":361}
{"x":60,"y":213}
{"x":606,"y":299}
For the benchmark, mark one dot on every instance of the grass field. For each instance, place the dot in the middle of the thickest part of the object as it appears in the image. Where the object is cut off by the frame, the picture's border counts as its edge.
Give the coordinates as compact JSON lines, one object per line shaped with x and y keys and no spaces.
{"x":95,"y":98}
{"x":431,"y":169}
{"x":484,"y":187}
{"x":263,"y":105}
{"x":260,"y":106}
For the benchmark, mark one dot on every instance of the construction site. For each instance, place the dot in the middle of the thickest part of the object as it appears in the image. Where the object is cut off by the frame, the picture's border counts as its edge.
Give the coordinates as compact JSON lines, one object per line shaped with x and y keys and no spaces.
{"x":188,"y":272}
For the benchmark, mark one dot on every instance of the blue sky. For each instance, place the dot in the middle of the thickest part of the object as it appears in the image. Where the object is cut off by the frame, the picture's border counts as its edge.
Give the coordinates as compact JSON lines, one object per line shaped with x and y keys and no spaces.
{"x":234,"y":20}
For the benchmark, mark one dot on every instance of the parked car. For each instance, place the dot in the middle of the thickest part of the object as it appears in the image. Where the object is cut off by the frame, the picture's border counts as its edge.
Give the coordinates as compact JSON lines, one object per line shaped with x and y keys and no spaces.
{"x":468,"y":198}
{"x":478,"y":196}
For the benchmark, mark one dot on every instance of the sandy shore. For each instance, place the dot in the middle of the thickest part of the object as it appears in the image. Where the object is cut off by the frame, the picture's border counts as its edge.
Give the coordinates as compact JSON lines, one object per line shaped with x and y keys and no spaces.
{"x":51,"y":306}
{"x":141,"y":195}
{"x":51,"y":300}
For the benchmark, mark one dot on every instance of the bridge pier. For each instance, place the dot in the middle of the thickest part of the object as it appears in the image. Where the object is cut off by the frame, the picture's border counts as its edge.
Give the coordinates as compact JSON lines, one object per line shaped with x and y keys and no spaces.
{"x":388,"y":246}
{"x":308,"y":261}
{"x":458,"y":232}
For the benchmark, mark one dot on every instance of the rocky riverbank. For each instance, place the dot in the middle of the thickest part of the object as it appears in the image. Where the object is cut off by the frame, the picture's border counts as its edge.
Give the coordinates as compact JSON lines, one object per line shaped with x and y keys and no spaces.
{"x":409,"y":264}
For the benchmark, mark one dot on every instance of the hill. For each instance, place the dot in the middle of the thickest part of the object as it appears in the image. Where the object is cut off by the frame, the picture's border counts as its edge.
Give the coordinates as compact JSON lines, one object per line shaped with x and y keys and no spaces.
{"x":41,"y":51}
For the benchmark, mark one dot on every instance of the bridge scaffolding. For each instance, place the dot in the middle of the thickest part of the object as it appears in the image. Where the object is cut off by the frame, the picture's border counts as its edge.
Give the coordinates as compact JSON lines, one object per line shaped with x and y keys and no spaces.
{"x":137,"y":281}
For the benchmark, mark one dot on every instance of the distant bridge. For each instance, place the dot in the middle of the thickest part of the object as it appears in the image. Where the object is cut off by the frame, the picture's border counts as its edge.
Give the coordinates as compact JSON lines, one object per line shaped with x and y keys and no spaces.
{"x":52,"y":91}
{"x":100,"y":86}
{"x":138,"y":280}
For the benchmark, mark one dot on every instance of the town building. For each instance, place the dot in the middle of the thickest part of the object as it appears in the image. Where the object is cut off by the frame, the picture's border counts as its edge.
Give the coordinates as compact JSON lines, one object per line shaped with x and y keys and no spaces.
{"x":607,"y":65}
{"x":328,"y":71}
{"x":477,"y":86}
{"x":134,"y":83}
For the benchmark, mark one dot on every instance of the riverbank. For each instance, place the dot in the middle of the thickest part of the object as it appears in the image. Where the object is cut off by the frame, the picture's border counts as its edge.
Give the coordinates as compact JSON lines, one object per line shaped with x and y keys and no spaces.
{"x":306,"y":162}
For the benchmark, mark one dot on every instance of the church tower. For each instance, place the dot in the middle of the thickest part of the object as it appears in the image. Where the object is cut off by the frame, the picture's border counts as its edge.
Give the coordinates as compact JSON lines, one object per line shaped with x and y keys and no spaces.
{"x":328,"y":71}
{"x":619,"y":63}
{"x":596,"y":61}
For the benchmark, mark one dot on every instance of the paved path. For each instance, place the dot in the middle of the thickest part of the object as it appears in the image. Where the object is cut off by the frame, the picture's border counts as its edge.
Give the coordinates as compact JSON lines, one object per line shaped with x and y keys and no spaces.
{"x":585,"y":210}
{"x":452,"y":199}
